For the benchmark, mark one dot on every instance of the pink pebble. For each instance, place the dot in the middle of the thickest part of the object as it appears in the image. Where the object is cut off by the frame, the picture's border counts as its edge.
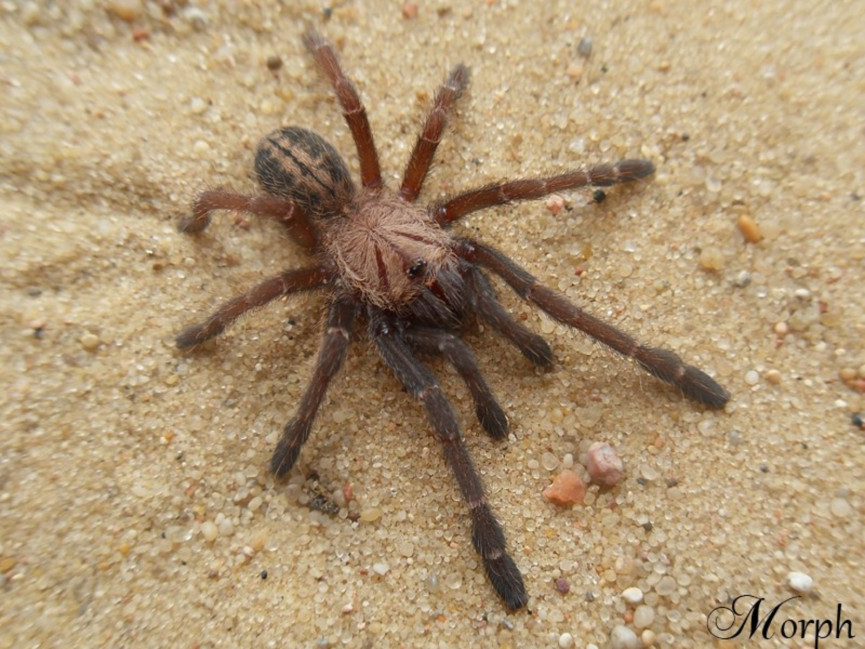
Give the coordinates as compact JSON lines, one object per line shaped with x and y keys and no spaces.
{"x":604,"y":465}
{"x":567,"y":489}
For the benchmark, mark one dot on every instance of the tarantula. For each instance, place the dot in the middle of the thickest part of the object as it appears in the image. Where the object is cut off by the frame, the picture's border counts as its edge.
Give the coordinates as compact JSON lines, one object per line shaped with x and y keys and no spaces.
{"x":394,"y":265}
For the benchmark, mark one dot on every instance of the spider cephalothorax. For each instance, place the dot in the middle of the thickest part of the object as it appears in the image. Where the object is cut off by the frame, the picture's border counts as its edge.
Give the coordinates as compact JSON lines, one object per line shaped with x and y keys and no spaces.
{"x":386,"y":261}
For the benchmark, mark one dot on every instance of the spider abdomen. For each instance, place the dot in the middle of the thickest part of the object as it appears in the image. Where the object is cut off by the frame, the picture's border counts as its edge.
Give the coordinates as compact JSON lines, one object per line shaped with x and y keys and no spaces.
{"x":296,"y":164}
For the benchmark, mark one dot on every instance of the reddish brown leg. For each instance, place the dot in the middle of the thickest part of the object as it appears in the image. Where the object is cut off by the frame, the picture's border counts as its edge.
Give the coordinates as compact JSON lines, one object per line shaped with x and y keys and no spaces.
{"x":441,"y":343}
{"x":487,"y":535}
{"x":299,"y":226}
{"x":494,"y":314}
{"x":292,"y":281}
{"x":427,"y":143}
{"x":337,"y":334}
{"x":530,"y":188}
{"x":352,"y":108}
{"x":662,"y":363}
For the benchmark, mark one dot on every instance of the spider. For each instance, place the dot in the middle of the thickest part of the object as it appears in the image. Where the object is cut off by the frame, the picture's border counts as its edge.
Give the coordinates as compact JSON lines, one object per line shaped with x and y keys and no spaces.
{"x":396,"y":267}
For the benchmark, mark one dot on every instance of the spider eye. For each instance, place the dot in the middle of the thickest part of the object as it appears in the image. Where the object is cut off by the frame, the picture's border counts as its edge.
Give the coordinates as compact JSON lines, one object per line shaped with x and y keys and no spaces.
{"x":416,"y":268}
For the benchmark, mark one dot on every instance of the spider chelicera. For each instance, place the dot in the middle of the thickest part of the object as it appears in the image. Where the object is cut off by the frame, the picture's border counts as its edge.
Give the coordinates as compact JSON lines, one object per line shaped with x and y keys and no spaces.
{"x":387,"y":262}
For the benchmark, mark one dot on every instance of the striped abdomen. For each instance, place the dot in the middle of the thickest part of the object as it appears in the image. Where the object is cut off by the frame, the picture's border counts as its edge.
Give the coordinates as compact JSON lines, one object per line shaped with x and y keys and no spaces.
{"x":299,"y":165}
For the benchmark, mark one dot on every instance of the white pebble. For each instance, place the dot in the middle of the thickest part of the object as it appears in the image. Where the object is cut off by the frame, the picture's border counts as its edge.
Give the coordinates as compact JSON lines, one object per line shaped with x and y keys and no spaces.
{"x":549,"y":461}
{"x":197,"y":105}
{"x":644,"y":616}
{"x":225,"y":526}
{"x":800,"y":582}
{"x":604,"y":465}
{"x":566,"y":641}
{"x":751,"y":377}
{"x":380,"y":568}
{"x":632,"y":595}
{"x":624,"y":638}
{"x":840,"y":508}
{"x":209,"y":531}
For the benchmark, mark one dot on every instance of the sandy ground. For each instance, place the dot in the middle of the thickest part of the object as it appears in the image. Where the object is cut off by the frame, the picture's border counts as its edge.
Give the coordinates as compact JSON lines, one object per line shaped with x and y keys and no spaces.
{"x":135,"y":504}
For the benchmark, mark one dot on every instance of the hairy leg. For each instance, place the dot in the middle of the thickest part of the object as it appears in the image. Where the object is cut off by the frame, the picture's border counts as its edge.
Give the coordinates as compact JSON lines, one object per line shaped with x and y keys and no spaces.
{"x":299,"y":226}
{"x":662,"y":363}
{"x":487,"y":535}
{"x":427,"y":143}
{"x":532,"y":188}
{"x":457,"y":353}
{"x":352,"y":108}
{"x":494,"y":314}
{"x":337,"y":334}
{"x":292,"y":281}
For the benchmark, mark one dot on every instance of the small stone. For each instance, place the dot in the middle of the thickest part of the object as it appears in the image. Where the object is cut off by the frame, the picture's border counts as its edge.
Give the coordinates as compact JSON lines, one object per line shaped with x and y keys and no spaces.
{"x":742,"y":279}
{"x":549,"y":461}
{"x":380,"y":568}
{"x":127,"y":10}
{"x":563,"y":586}
{"x":567,"y":489}
{"x":584,"y":47}
{"x":711,"y":258}
{"x":370,"y":515}
{"x":840,"y":508}
{"x":666,"y":586}
{"x":197,"y":105}
{"x":773,"y":377}
{"x":713,"y":183}
{"x":89,"y":341}
{"x":410,"y":10}
{"x":648,"y":637}
{"x":273,"y":62}
{"x":196,"y":18}
{"x":644,"y":616}
{"x":225,"y":526}
{"x":632,"y":595}
{"x":604,"y":465}
{"x":574,"y":72}
{"x":555,"y":204}
{"x":622,"y":637}
{"x":209,"y":531}
{"x":800,"y":582}
{"x":751,"y":377}
{"x":749,"y":228}
{"x":566,"y":641}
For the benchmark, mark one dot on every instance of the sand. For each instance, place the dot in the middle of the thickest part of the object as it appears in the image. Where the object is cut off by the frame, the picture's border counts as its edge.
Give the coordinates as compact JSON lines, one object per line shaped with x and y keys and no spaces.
{"x":135,"y":503}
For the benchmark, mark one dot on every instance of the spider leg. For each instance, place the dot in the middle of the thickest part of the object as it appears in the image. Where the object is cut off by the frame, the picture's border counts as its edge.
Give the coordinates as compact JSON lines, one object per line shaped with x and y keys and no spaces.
{"x":292,"y":281}
{"x":489,"y":310}
{"x":294,"y":218}
{"x":457,"y":353}
{"x":428,"y":141}
{"x":662,"y":363}
{"x":531,"y":188}
{"x":340,"y":322}
{"x":487,"y":535}
{"x":352,"y":108}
